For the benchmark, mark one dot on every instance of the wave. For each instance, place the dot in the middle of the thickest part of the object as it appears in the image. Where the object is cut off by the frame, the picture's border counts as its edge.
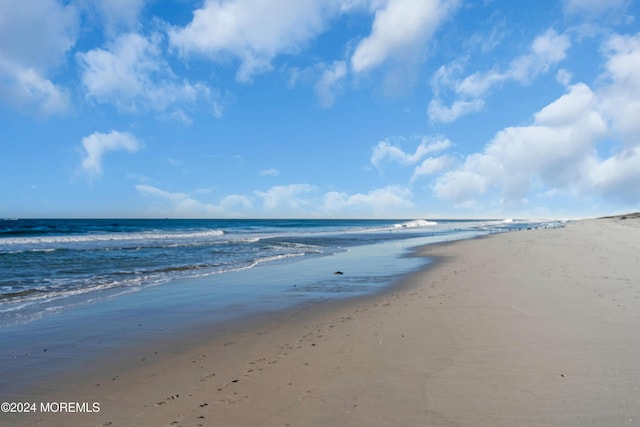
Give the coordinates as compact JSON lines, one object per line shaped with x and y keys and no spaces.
{"x":107,"y":237}
{"x":18,"y":299}
{"x":416,"y":223}
{"x":64,"y":290}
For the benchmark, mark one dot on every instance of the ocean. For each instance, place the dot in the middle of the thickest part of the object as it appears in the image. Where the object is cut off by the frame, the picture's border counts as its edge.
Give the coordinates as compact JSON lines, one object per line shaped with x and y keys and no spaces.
{"x":53,"y":265}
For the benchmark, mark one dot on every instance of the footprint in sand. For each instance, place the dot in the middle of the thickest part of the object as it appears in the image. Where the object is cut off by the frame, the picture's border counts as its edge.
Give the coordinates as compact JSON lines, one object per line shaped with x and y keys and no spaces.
{"x":207,"y":377}
{"x":228,"y":383}
{"x":168,"y":399}
{"x":262,"y":359}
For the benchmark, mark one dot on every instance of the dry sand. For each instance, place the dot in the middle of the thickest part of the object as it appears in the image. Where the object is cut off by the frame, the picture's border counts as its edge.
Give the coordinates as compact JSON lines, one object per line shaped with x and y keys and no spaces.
{"x":530,"y":328}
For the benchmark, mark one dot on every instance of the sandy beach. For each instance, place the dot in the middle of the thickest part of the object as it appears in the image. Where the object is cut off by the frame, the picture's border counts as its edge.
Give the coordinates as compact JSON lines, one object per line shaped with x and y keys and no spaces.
{"x":528,"y":328}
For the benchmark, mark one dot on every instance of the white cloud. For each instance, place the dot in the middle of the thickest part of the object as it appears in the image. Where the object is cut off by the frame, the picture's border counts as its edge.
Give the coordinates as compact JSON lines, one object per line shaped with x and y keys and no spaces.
{"x":440,"y":113}
{"x":464,"y":185}
{"x":618,"y":177}
{"x":183,"y":205}
{"x":235,"y":202}
{"x":296,"y":200}
{"x":556,"y":150}
{"x":477,"y":84}
{"x":400,"y":28}
{"x":330,"y":82}
{"x":270,"y":172}
{"x":288,"y":198}
{"x":383,"y":201}
{"x":621,"y":97}
{"x":118,"y":15}
{"x":564,"y":77}
{"x":547,"y":50}
{"x":327,"y":80}
{"x":384,"y":150}
{"x":565,"y":110}
{"x":178,"y":204}
{"x":98,"y":144}
{"x":34,"y":41}
{"x":558,"y":153}
{"x":132,"y":74}
{"x":256,"y":32}
{"x":253,"y":31}
{"x":307,"y":200}
{"x":37,"y":37}
{"x":26,"y":88}
{"x":180,"y":116}
{"x":432,"y":165}
{"x":446,"y":76}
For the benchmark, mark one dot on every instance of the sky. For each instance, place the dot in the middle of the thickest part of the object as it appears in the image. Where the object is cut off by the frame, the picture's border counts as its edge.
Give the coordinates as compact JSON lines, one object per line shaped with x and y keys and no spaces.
{"x":319,"y":108}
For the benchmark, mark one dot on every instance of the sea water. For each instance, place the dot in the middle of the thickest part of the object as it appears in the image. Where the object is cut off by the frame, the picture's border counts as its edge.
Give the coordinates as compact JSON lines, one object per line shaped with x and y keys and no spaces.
{"x":52,"y":265}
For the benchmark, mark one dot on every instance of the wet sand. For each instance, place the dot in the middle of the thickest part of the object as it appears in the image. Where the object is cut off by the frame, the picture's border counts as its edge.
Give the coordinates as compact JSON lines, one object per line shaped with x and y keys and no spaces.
{"x":529,"y":328}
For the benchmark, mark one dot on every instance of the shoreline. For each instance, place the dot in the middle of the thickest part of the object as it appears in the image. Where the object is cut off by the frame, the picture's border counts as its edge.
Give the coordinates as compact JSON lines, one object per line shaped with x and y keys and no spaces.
{"x":152,"y":316}
{"x":534,"y":327}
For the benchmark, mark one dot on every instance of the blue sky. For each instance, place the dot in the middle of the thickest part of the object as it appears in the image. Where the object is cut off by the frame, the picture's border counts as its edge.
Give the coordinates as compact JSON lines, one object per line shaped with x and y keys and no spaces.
{"x":319,"y":108}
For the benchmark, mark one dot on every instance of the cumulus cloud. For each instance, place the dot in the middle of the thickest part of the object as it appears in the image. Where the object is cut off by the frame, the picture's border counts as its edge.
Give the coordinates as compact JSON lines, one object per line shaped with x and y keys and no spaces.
{"x":288,"y":198}
{"x":385,"y":151}
{"x":400,"y":28}
{"x":301,"y":200}
{"x":253,"y":31}
{"x":382,"y":201}
{"x":479,"y":83}
{"x":98,"y":144}
{"x":37,"y":37}
{"x":556,"y":150}
{"x":132,"y":74}
{"x":307,"y":200}
{"x":118,"y":14}
{"x":432,"y":165}
{"x":621,"y":97}
{"x":34,"y":41}
{"x":184,"y":205}
{"x":546,"y":50}
{"x":587,"y":142}
{"x":618,"y":177}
